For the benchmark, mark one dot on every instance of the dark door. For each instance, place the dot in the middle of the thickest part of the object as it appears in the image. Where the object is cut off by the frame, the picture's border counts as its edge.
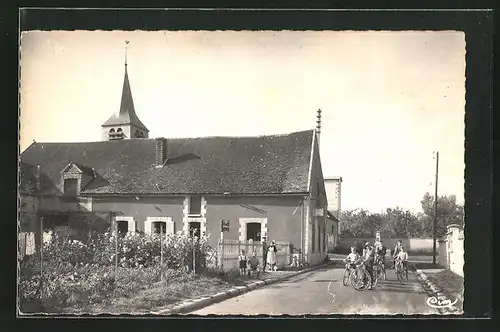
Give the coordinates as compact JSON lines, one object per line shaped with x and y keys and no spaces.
{"x":253,"y":231}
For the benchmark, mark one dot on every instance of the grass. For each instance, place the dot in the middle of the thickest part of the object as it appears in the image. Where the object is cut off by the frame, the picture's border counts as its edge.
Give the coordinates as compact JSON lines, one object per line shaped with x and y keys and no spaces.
{"x":452,"y":284}
{"x":147,"y":298}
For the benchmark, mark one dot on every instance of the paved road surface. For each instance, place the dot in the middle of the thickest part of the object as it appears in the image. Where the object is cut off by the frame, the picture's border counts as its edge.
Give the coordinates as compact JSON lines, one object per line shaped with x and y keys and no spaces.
{"x":308,"y":293}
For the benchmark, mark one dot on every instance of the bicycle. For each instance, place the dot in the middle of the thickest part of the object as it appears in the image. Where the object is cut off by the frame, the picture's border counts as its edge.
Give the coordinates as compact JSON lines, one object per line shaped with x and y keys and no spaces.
{"x":401,"y":272}
{"x":360,"y":277}
{"x":347,"y":274}
{"x":379,"y":269}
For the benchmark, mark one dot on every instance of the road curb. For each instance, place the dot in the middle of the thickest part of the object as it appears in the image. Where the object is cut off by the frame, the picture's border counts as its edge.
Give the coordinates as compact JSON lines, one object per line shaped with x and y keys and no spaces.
{"x":434,"y":290}
{"x":195,"y":304}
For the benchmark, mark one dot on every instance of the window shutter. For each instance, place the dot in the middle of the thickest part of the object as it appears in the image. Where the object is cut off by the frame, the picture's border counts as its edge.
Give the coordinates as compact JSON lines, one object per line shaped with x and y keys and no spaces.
{"x":170,"y":227}
{"x":131,"y":226}
{"x":147,"y":227}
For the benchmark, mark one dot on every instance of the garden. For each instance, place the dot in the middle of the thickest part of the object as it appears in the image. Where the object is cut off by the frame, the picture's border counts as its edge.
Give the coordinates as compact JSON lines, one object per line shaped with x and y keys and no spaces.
{"x":106,"y":273}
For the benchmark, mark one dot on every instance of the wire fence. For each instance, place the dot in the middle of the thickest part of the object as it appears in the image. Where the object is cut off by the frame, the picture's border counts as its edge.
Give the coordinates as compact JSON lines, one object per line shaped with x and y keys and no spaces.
{"x":231,"y":249}
{"x":60,"y":264}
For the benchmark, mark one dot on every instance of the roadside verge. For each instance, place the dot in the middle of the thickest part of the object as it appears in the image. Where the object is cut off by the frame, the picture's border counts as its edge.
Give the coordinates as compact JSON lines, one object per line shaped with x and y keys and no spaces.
{"x":194,"y":304}
{"x":437,"y":293}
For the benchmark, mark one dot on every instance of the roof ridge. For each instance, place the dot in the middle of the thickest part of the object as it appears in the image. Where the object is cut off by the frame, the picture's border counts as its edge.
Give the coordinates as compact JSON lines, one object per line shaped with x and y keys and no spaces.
{"x":245,"y":136}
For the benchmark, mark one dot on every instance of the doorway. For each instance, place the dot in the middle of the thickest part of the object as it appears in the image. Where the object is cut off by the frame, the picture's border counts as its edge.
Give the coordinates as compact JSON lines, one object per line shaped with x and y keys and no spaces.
{"x":254,"y":231}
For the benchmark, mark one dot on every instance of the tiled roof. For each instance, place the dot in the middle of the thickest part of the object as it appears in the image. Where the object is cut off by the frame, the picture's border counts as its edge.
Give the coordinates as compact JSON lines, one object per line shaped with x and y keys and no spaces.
{"x":27,"y":180}
{"x":238,"y":165}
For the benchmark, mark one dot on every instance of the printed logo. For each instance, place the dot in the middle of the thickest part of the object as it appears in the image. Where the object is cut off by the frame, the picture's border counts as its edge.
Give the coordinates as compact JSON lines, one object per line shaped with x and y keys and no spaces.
{"x":434,"y":302}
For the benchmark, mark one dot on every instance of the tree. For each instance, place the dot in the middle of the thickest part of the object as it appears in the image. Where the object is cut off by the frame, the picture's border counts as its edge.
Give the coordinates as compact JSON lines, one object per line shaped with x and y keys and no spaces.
{"x":448,"y":212}
{"x":397,"y":222}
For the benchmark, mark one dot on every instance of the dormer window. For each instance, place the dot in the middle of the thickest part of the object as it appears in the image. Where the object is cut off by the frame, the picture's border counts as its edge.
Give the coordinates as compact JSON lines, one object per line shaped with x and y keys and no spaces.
{"x":71,"y":187}
{"x":75,"y":178}
{"x":195,"y":205}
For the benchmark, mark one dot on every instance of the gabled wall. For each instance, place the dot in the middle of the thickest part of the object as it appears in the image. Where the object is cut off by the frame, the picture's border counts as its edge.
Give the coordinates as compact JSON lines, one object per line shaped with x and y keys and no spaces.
{"x":315,"y":225}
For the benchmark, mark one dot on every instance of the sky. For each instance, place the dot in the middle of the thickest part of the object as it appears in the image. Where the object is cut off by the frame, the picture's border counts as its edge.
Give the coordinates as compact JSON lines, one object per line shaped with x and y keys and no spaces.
{"x":388,"y":99}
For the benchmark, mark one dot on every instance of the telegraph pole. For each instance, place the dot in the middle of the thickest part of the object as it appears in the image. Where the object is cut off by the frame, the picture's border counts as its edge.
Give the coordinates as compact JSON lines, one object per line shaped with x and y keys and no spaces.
{"x":435,"y":211}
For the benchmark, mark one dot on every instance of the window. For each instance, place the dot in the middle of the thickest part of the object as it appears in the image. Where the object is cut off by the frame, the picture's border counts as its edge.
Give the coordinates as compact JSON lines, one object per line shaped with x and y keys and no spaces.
{"x":111,"y":131}
{"x":317,"y":189}
{"x":119,"y":130}
{"x":141,"y":135}
{"x":195,"y":205}
{"x":71,"y":187}
{"x":122,"y":227}
{"x":136,"y":134}
{"x":194,"y":228}
{"x":159,"y":227}
{"x":253,"y":231}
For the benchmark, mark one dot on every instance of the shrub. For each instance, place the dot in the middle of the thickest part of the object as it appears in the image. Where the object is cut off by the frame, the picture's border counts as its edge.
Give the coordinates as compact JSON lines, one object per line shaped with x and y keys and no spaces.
{"x":81,"y":272}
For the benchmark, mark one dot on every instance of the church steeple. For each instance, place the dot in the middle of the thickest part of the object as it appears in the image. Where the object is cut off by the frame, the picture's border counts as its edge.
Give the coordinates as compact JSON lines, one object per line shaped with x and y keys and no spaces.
{"x":125,"y":124}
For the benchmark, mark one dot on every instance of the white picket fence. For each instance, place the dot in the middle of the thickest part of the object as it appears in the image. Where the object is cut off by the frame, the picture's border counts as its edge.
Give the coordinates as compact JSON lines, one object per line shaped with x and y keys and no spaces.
{"x":229,"y":251}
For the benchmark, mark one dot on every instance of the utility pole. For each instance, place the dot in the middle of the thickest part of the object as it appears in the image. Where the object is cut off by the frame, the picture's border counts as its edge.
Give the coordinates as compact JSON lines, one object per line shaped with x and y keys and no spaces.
{"x":435,"y":211}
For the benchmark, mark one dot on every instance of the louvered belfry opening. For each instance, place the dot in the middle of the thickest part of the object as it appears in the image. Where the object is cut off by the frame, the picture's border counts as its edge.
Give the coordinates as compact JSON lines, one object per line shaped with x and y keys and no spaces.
{"x":116,"y":135}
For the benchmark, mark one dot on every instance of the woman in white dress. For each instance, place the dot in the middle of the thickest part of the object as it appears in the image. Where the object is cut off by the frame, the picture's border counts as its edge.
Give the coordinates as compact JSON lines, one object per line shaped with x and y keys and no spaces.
{"x":271,"y":255}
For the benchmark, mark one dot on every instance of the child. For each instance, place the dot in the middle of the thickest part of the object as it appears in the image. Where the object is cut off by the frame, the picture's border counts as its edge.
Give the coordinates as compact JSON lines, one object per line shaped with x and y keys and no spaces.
{"x":352,"y":258}
{"x":242,"y":260}
{"x":253,"y":263}
{"x":403,"y":257}
{"x":397,"y":248}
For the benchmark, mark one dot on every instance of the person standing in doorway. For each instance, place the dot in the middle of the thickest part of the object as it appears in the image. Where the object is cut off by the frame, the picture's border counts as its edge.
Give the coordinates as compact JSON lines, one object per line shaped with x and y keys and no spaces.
{"x":264,"y":253}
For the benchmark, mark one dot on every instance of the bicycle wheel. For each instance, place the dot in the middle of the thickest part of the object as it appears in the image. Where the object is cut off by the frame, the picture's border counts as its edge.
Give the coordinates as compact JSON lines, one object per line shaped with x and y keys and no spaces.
{"x":345,"y":279}
{"x":360,"y":279}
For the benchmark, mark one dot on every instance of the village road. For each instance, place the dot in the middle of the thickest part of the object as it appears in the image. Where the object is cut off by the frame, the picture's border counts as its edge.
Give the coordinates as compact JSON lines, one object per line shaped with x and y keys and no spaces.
{"x":309,"y":293}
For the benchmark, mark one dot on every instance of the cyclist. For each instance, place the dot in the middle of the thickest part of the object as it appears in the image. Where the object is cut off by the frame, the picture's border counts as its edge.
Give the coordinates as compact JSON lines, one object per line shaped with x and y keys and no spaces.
{"x":380,"y":252}
{"x":352,"y":258}
{"x":403,"y":258}
{"x":397,"y":248}
{"x":368,"y":258}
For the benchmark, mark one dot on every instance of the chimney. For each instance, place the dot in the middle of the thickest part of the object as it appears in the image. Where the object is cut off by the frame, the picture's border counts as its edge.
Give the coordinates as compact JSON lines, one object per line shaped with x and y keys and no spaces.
{"x":318,"y":126}
{"x":161,"y":151}
{"x":37,"y":176}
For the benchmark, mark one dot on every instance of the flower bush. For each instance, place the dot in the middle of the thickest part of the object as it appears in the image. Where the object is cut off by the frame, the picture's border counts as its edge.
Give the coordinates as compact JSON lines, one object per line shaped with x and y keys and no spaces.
{"x":76,"y":272}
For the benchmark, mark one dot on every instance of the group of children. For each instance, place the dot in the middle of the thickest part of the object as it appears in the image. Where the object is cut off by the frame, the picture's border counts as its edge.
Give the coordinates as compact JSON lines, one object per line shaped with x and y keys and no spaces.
{"x":370,"y":253}
{"x":252,"y":263}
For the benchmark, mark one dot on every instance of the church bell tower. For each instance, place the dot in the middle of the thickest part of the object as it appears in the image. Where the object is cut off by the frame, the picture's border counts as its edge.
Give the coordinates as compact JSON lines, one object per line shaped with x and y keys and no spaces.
{"x":125,"y":124}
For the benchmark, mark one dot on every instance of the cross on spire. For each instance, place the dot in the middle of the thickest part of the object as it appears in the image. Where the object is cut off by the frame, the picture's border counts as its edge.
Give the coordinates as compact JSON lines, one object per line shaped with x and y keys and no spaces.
{"x":318,"y":126}
{"x":126,"y":47}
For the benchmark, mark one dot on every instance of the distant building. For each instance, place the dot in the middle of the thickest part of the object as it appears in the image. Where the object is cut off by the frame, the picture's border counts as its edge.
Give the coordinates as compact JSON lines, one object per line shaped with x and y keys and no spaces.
{"x":266,"y":186}
{"x":333,"y":186}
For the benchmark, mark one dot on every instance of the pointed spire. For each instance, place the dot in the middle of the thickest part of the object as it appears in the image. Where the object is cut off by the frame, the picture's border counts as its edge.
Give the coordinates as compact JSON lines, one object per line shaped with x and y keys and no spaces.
{"x":126,"y":115}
